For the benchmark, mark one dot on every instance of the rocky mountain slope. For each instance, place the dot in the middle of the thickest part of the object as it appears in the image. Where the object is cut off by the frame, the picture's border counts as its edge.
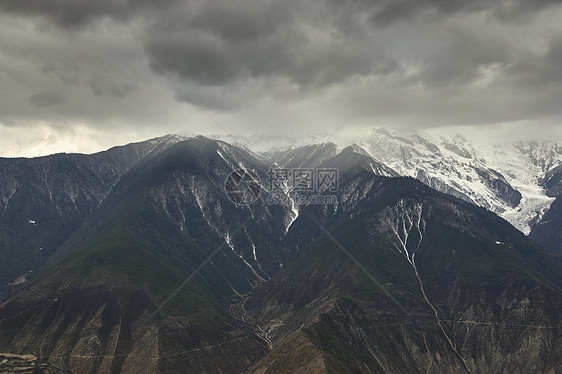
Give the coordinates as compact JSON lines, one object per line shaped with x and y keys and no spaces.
{"x":162,"y":219}
{"x":43,"y":200}
{"x":416,"y":282}
{"x":166,"y":274}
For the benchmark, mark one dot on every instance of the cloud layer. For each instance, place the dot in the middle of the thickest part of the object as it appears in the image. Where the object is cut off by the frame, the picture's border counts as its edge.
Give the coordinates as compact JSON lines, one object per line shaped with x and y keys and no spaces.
{"x":140,"y":68}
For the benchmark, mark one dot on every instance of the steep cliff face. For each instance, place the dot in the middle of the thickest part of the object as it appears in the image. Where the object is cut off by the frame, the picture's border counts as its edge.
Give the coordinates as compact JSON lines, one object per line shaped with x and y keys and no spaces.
{"x":552,"y":181}
{"x":548,"y":231}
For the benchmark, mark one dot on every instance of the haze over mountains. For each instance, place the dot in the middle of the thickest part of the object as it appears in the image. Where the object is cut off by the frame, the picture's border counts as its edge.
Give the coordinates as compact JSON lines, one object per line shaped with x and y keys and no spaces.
{"x":396,"y":275}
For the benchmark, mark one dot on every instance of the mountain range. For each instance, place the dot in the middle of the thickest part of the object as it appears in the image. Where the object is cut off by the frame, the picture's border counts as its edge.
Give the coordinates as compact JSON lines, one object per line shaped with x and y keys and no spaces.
{"x":136,"y":259}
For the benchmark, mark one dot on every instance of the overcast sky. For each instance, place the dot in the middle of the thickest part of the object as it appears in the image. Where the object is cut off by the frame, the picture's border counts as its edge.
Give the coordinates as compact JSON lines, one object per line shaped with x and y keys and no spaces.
{"x":84,"y":75}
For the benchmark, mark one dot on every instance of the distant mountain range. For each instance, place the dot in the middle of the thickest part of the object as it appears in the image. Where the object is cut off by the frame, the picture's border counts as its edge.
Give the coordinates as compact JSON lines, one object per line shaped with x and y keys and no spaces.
{"x":137,"y":259}
{"x":515,"y":181}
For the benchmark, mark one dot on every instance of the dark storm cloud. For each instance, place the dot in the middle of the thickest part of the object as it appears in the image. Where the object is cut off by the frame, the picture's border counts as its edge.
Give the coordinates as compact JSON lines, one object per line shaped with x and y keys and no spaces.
{"x":312,"y":44}
{"x":531,"y":70}
{"x":462,"y":57}
{"x":322,"y":43}
{"x":238,"y":18}
{"x":77,"y":13}
{"x":46,"y":99}
{"x":102,"y":86}
{"x":386,"y":12}
{"x":214,"y":45}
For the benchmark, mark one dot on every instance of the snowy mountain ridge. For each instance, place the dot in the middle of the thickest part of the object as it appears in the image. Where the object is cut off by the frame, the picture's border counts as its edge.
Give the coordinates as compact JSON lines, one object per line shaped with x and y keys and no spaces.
{"x":508,"y":179}
{"x":504,"y":178}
